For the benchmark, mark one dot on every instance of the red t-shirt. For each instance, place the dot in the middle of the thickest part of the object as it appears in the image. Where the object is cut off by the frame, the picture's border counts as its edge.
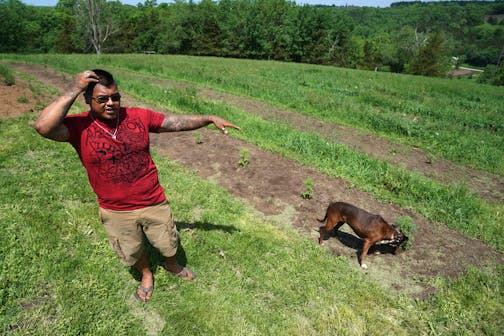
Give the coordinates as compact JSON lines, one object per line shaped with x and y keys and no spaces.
{"x":121,"y":170}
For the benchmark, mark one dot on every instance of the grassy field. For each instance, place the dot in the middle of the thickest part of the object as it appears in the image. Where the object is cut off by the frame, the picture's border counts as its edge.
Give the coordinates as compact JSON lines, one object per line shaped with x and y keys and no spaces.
{"x":258,"y":278}
{"x":450,"y":204}
{"x":455,"y":119}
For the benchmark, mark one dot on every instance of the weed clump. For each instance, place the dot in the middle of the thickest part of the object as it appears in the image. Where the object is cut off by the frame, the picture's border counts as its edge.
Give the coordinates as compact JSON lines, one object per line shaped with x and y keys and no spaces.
{"x":408,"y":227}
{"x":244,"y":158}
{"x":307,"y":192}
{"x":7,"y":75}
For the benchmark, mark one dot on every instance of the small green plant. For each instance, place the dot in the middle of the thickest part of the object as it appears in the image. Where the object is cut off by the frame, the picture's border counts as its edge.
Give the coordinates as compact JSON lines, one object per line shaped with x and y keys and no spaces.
{"x":7,"y":75}
{"x":244,"y":157}
{"x":22,"y":100}
{"x":429,"y":158}
{"x":307,"y":192}
{"x":198,"y":136}
{"x":408,"y":227}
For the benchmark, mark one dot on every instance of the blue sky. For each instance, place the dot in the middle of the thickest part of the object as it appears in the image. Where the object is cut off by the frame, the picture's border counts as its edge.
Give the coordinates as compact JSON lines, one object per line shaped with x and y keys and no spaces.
{"x":370,"y":3}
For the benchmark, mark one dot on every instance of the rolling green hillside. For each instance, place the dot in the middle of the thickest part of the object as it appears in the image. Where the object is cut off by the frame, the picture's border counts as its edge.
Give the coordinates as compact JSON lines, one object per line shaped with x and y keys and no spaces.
{"x":255,"y":277}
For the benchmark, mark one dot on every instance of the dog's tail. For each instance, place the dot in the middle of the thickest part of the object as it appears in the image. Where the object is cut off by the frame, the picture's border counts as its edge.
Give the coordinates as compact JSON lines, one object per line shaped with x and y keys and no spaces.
{"x":323,"y":220}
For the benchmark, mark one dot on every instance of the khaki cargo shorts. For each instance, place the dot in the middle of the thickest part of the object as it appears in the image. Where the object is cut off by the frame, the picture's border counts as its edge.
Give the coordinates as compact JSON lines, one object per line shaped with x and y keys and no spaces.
{"x":126,"y":231}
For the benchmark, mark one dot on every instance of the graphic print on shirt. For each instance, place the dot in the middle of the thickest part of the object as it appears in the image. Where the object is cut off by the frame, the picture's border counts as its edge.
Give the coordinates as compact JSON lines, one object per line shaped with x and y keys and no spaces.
{"x":122,"y":160}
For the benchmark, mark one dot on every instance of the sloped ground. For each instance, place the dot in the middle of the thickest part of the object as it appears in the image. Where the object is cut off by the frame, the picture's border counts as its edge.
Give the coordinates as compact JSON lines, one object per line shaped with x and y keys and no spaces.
{"x":273,"y":185}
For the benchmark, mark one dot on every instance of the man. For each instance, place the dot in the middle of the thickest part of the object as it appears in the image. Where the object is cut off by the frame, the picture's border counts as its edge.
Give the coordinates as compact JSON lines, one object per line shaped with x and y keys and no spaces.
{"x":113,"y":145}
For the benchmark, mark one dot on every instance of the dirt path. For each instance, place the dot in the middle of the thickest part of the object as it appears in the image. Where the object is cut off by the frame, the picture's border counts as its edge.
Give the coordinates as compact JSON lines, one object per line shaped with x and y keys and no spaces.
{"x":488,"y":186}
{"x":273,"y":184}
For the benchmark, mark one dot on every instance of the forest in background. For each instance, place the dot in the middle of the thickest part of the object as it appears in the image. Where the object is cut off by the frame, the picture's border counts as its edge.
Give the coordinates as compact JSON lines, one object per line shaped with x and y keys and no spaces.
{"x":421,"y":38}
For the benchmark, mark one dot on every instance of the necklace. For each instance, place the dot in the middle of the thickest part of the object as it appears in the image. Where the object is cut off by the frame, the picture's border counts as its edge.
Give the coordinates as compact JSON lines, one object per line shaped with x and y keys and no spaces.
{"x":112,"y":135}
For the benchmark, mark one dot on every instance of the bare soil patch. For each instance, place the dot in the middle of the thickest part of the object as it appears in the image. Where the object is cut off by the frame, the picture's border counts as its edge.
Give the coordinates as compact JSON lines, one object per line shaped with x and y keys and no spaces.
{"x":273,"y":184}
{"x":15,"y":100}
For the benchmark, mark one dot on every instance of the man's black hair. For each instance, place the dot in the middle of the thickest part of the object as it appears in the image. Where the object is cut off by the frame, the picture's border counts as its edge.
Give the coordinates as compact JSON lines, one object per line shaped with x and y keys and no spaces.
{"x":105,"y":78}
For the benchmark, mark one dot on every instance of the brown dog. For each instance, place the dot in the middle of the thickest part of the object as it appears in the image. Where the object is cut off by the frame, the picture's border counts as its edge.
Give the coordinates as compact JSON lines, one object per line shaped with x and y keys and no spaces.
{"x":371,"y":228}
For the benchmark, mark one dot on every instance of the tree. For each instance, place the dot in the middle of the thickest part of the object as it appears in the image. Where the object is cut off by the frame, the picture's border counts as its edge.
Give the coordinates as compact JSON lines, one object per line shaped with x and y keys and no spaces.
{"x":313,"y":41}
{"x":492,"y":75}
{"x":66,"y":37}
{"x":96,"y":21}
{"x":342,"y":48}
{"x":125,"y":18}
{"x":372,"y":55}
{"x":176,"y":28}
{"x":207,"y":31}
{"x":14,"y":16}
{"x":234,"y":14}
{"x":147,"y":27}
{"x":402,"y":47}
{"x":431,"y":59}
{"x":392,"y":38}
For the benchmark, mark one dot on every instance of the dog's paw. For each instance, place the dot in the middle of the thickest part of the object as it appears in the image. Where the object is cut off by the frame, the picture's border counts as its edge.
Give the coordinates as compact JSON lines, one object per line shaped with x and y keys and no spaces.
{"x":364,"y":266}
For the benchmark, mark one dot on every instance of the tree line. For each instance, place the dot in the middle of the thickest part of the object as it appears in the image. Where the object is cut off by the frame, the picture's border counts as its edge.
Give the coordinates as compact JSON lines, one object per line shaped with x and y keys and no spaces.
{"x":423,"y":38}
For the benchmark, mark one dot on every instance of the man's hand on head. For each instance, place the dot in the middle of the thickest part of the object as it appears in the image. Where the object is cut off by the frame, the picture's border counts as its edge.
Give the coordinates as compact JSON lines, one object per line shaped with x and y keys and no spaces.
{"x":84,"y":78}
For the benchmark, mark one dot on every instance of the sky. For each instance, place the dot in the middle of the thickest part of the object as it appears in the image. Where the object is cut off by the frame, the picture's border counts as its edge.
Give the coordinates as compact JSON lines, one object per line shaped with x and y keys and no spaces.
{"x":369,"y":3}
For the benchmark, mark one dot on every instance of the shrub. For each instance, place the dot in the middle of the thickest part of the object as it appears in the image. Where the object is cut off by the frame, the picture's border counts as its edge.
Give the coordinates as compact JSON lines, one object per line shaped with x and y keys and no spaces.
{"x":7,"y":75}
{"x":408,"y":228}
{"x":492,"y":75}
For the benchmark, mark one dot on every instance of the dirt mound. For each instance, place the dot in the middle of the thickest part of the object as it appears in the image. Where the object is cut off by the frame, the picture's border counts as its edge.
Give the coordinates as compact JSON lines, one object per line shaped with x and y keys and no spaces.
{"x":273,"y":185}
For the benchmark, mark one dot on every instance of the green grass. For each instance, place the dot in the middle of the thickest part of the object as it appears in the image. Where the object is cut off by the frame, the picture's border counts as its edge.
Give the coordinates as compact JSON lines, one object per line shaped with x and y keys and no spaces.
{"x":473,"y":290}
{"x":60,"y":277}
{"x":255,"y":277}
{"x":457,"y":120}
{"x":6,"y":75}
{"x":449,"y":204}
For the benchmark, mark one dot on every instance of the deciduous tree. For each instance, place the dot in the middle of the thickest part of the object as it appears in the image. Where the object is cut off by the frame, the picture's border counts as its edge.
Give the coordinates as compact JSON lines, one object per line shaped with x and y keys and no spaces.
{"x":95,"y":19}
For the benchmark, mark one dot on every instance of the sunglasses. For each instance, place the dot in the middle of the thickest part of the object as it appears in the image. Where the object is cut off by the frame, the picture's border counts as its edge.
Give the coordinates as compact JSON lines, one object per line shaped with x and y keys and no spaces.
{"x":103,"y":99}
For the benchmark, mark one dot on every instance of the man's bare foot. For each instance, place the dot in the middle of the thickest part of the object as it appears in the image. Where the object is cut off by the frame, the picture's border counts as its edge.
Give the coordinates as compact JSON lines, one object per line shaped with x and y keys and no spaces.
{"x":171,"y":266}
{"x":145,"y":289}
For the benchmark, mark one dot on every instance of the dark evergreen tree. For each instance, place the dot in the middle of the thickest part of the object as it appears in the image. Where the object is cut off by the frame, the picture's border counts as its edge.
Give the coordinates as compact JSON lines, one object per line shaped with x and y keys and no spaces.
{"x":431,"y":58}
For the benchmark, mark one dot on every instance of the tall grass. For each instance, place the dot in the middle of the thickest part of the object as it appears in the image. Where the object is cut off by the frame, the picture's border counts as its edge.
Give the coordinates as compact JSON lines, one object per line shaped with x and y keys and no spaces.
{"x":6,"y":75}
{"x":457,"y":120}
{"x":59,"y":276}
{"x":449,"y":204}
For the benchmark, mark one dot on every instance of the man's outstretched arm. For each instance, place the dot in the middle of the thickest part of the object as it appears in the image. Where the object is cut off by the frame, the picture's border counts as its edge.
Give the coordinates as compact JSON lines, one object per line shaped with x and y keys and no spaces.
{"x":177,"y":123}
